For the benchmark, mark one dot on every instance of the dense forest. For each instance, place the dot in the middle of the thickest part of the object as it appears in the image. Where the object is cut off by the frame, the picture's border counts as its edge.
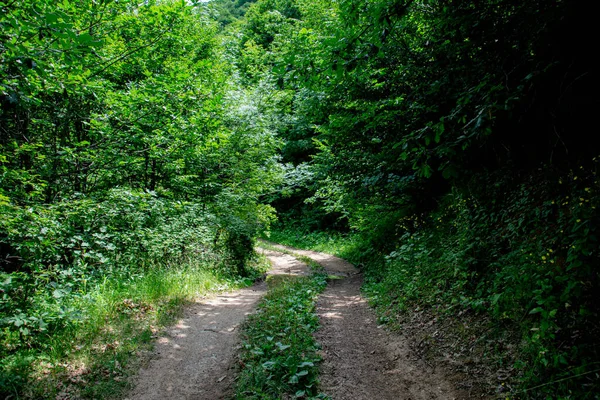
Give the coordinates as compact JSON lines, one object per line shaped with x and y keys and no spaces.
{"x":447,"y":142}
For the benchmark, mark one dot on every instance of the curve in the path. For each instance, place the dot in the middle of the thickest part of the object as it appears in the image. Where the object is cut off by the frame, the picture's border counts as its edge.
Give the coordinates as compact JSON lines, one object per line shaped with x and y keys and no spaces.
{"x":362,"y":360}
{"x":333,"y":265}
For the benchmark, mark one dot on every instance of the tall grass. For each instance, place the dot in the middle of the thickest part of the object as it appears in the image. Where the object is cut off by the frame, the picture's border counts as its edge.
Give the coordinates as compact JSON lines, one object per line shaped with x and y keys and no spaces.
{"x":117,"y":319}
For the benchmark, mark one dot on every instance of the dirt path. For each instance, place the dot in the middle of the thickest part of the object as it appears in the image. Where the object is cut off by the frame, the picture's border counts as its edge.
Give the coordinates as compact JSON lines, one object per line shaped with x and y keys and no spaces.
{"x":361,"y":360}
{"x":195,"y":359}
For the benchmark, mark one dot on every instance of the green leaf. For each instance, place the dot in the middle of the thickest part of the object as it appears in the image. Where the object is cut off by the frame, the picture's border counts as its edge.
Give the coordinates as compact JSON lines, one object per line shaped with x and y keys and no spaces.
{"x":51,"y":18}
{"x":282,"y":346}
{"x":495,"y":298}
{"x":306,"y":364}
{"x":450,"y":172}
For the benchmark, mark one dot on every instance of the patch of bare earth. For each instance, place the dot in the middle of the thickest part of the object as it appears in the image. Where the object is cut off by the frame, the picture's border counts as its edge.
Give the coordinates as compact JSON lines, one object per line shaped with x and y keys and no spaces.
{"x":196,"y":357}
{"x":194,"y":360}
{"x":361,"y":359}
{"x":478,"y":351}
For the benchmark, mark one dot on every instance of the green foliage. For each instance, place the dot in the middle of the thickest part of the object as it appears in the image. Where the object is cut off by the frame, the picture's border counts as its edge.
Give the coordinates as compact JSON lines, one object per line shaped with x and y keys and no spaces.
{"x":128,"y":134}
{"x":89,"y":329}
{"x":279,"y":353}
{"x":399,"y":113}
{"x":226,"y":12}
{"x":520,"y":253}
{"x":331,"y":242}
{"x":394,"y":102}
{"x":126,"y":145}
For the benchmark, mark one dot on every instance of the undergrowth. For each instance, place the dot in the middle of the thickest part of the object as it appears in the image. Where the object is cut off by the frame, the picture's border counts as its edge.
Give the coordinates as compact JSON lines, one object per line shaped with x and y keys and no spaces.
{"x":507,"y":265}
{"x":279,"y":355}
{"x":113,"y":322}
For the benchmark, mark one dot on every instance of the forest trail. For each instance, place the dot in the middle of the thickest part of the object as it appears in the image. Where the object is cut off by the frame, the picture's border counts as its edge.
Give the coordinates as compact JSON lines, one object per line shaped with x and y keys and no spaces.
{"x":196,"y":358}
{"x":362,"y":360}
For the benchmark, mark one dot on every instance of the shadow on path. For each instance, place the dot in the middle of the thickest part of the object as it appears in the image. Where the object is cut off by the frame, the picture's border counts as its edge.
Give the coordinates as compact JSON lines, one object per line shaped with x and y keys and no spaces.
{"x":195,"y":360}
{"x":361,"y":359}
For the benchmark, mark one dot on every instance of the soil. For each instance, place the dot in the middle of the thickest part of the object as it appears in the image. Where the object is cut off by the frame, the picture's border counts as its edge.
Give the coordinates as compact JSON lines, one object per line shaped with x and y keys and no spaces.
{"x":194,"y":359}
{"x":361,"y":359}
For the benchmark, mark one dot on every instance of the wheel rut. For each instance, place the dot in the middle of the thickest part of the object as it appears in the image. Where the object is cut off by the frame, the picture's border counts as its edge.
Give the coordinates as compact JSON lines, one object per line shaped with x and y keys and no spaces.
{"x":195,"y":359}
{"x":361,"y":359}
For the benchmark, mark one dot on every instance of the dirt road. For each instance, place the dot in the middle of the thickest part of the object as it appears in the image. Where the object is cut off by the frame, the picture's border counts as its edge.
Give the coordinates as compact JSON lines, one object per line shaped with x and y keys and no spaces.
{"x":361,"y":360}
{"x":195,"y":360}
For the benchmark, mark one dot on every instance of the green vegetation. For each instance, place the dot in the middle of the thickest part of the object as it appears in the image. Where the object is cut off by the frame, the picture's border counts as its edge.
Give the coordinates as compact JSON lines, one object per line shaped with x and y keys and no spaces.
{"x":279,"y":354}
{"x":522,"y":260}
{"x":131,"y":160}
{"x":343,"y":245}
{"x":506,"y":269}
{"x":113,"y":322}
{"x":446,"y":142}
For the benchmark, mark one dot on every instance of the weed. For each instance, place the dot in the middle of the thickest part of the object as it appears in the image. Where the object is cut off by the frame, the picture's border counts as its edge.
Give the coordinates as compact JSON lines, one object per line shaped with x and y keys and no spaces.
{"x":279,"y":353}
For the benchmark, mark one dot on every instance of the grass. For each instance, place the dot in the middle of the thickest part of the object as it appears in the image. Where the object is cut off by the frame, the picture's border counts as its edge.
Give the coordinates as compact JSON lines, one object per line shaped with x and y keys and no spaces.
{"x":327,"y":242}
{"x":119,"y":319}
{"x":279,"y":355}
{"x":338,"y":244}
